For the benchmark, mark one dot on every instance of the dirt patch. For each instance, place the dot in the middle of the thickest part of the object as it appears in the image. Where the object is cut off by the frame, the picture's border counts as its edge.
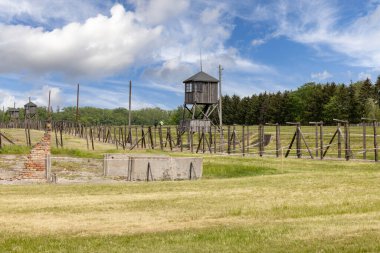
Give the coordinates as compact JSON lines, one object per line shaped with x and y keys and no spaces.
{"x":66,"y":169}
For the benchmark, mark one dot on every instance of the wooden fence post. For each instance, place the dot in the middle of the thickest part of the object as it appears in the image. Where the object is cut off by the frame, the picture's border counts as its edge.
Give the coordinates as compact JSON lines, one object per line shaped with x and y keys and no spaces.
{"x":191,"y":140}
{"x":160,"y":137}
{"x":215,"y":138}
{"x":298,"y":141}
{"x":375,"y":140}
{"x":229,"y":140}
{"x":364,"y":141}
{"x":339,"y":142}
{"x":243,"y":139}
{"x":248,"y":140}
{"x":321,"y":139}
{"x":278,"y":140}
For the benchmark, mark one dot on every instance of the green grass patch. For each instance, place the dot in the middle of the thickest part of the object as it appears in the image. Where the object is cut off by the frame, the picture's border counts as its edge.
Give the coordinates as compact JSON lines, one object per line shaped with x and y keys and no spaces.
{"x":236,"y":167}
{"x":218,"y":239}
{"x":15,"y":150}
{"x":75,"y":153}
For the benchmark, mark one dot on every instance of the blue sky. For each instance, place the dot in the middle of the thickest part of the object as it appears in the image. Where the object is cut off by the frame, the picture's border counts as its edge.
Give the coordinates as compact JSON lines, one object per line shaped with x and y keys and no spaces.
{"x":262,"y":45}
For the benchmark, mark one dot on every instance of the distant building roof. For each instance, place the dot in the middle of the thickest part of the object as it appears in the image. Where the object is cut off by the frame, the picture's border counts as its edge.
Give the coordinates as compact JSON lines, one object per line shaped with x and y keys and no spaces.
{"x":13,"y":109}
{"x":30,"y":104}
{"x":201,"y":77}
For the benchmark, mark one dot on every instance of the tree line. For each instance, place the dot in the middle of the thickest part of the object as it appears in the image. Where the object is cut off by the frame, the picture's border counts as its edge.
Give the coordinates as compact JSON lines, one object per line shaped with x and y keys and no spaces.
{"x":97,"y":116}
{"x":310,"y":102}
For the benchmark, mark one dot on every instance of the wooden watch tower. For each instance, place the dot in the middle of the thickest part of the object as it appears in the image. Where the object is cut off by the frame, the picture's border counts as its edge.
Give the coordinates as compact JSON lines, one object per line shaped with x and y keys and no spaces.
{"x":30,"y":110}
{"x":201,"y":99}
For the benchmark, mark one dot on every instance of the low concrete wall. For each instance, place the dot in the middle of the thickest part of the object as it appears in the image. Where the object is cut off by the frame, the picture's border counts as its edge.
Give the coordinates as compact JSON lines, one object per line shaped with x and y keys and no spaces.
{"x":149,"y":168}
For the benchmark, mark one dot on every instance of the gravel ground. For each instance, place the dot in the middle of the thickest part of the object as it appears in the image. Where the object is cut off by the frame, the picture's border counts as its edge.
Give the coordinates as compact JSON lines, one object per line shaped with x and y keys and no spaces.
{"x":67,"y":170}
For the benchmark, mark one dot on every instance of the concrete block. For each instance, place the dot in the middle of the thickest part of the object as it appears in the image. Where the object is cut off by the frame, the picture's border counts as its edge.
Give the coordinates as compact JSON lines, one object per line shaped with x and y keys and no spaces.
{"x":149,"y":168}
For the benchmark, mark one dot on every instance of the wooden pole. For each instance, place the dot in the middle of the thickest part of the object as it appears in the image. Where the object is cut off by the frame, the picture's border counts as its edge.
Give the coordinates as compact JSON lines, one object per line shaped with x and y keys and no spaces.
{"x":375,"y":140}
{"x":155,"y":130}
{"x":220,"y":110}
{"x":180,"y":140}
{"x":170,"y":138}
{"x":191,"y":140}
{"x":243,"y":139}
{"x":160,"y":137}
{"x":215,"y":140}
{"x":339,"y":142}
{"x":260,"y":132}
{"x":364,"y":141}
{"x":151,"y":138}
{"x":77,"y":111}
{"x":278,"y":140}
{"x":316,"y":140}
{"x":92,"y":138}
{"x":298,"y":141}
{"x":248,"y":140}
{"x":130,"y":105}
{"x":234,"y":138}
{"x":85,"y":130}
{"x":203,"y":138}
{"x":321,"y":139}
{"x":229,"y":140}
{"x":136,"y":136}
{"x":262,"y":141}
{"x":56,"y":137}
{"x":346,"y":141}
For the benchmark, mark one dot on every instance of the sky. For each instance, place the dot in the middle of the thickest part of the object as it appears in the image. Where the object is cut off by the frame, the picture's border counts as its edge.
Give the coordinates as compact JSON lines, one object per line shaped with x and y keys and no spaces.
{"x":262,"y":45}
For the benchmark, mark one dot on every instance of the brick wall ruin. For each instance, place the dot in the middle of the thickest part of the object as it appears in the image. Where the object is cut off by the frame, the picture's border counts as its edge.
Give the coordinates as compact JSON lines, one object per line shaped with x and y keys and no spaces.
{"x":35,"y":166}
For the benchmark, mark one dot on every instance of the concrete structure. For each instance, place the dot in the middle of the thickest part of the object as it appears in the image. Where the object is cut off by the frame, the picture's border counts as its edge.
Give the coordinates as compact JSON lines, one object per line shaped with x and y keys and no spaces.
{"x":149,"y":168}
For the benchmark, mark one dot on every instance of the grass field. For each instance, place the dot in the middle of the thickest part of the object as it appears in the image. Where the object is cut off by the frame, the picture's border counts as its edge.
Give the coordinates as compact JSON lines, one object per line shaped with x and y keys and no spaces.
{"x":241,"y":205}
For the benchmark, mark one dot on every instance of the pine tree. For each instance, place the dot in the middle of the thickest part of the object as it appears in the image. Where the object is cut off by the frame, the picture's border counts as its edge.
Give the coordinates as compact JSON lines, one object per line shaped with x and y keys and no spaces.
{"x":377,"y":90}
{"x":366,"y":91}
{"x":354,"y":115}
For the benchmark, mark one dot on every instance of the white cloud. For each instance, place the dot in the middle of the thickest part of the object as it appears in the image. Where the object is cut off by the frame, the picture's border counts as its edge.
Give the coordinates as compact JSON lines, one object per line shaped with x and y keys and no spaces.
{"x":364,"y":75}
{"x":7,"y":100}
{"x":158,"y":11}
{"x":321,"y":75}
{"x":46,"y":11}
{"x":211,"y":15}
{"x":257,"y":42}
{"x":163,"y":36}
{"x":41,"y":96}
{"x":100,"y":46}
{"x":318,"y":23}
